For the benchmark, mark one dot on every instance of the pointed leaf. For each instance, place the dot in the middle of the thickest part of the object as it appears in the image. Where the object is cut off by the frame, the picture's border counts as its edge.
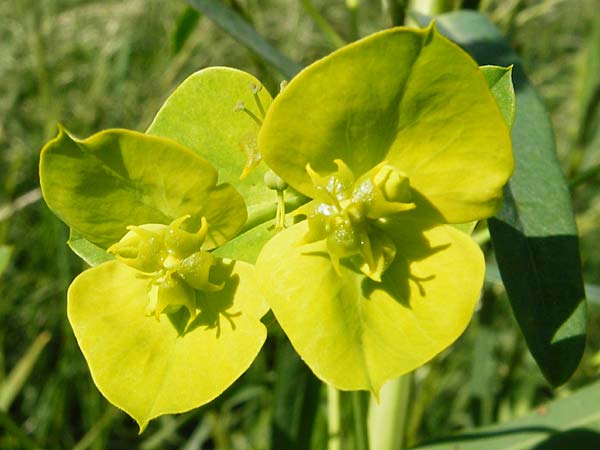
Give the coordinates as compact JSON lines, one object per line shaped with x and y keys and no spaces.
{"x":407,"y":96}
{"x":355,"y":333}
{"x":116,"y":178}
{"x":231,"y":22}
{"x":566,"y":423}
{"x":499,"y":80}
{"x":534,"y":236}
{"x":90,"y":253}
{"x":146,"y":366}
{"x":16,"y":379}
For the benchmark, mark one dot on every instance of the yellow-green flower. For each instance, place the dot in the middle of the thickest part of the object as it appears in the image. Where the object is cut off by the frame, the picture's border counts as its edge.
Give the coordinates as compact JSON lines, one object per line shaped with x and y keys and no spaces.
{"x":167,"y":326}
{"x":394,"y":137}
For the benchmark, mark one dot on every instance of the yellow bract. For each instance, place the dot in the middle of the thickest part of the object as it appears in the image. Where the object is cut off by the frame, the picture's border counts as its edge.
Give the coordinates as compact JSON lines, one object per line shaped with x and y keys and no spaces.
{"x":149,"y":367}
{"x":410,"y":138}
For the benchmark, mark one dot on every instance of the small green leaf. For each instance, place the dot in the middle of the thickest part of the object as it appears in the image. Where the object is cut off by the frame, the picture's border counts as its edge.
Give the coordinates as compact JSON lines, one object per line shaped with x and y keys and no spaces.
{"x":232,"y":23}
{"x":90,"y":253}
{"x":355,"y":333}
{"x":150,"y":367}
{"x":567,"y":423}
{"x":247,"y":246}
{"x":117,"y":178}
{"x":409,"y":97}
{"x":201,"y":114}
{"x":499,"y":80}
{"x":534,"y":235}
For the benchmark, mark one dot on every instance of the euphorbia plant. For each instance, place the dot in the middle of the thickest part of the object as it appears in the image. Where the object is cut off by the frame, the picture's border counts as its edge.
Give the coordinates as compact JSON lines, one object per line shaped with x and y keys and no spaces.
{"x":386,"y":142}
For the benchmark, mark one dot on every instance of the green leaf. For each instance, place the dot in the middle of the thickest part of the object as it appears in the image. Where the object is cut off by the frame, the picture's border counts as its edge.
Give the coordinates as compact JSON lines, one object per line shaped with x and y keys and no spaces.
{"x":17,"y":377}
{"x":242,"y":31}
{"x":5,"y":252}
{"x":355,"y":333}
{"x":116,"y":178}
{"x":247,"y":246}
{"x":534,"y":235}
{"x":409,"y":97}
{"x":150,"y":367}
{"x":499,"y":80}
{"x":90,"y":253}
{"x":201,"y":115}
{"x":568,"y":423}
{"x":186,"y":24}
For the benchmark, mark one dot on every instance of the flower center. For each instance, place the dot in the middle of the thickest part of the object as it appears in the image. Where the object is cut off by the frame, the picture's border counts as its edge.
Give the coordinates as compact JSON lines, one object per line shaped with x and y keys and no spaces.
{"x":349,"y":212}
{"x":173,"y":260}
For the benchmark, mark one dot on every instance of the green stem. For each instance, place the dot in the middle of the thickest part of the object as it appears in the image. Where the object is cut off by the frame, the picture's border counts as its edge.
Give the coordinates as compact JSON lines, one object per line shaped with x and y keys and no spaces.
{"x":396,"y":10}
{"x":433,"y":7}
{"x":360,"y":420}
{"x":334,"y":38}
{"x":333,"y":418}
{"x":264,"y":212}
{"x":353,"y":6}
{"x":280,"y":214}
{"x":388,"y":418}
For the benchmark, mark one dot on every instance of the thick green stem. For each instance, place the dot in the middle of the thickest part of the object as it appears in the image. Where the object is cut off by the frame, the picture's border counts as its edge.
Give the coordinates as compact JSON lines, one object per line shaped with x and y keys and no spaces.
{"x":333,"y":418}
{"x":267,"y":211}
{"x":360,"y":422}
{"x":387,"y":420}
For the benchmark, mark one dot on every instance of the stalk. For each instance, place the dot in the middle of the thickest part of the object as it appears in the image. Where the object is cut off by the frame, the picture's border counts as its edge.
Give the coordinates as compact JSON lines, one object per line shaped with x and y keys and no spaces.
{"x":387,"y":419}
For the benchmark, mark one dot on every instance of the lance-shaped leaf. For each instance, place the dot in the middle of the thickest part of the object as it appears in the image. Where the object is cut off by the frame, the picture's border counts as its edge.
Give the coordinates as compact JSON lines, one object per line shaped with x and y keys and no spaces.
{"x":150,"y":367}
{"x":410,"y":97}
{"x":570,"y":422}
{"x":211,"y":112}
{"x":534,"y":236}
{"x":234,"y":24}
{"x":116,"y":178}
{"x":355,"y":333}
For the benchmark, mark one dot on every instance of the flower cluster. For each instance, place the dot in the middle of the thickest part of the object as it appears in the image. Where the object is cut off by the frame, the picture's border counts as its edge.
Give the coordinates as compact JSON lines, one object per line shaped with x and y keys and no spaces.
{"x":381,"y":148}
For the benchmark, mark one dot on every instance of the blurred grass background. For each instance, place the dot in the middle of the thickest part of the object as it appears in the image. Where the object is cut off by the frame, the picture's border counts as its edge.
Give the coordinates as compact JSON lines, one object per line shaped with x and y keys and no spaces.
{"x":92,"y":64}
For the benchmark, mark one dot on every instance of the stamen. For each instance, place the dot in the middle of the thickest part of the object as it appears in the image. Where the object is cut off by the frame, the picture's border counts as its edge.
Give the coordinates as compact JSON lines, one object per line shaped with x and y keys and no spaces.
{"x":240,"y":106}
{"x":255,"y":90}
